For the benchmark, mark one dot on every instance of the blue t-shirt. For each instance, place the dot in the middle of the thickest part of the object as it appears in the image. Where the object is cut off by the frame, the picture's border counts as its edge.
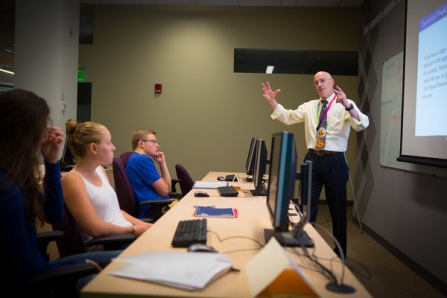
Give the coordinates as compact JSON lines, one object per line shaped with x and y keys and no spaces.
{"x":142,"y":173}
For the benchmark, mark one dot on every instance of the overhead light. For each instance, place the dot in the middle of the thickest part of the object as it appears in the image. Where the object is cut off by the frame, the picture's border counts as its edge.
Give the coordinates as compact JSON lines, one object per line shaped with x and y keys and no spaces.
{"x":269,"y":69}
{"x":6,"y":71}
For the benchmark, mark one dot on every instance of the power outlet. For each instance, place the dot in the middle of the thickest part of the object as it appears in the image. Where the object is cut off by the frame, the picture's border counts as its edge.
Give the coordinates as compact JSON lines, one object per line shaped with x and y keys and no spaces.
{"x":63,"y":106}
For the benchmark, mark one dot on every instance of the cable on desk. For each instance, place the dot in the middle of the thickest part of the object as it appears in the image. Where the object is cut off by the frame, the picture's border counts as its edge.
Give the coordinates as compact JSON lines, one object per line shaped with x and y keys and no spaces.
{"x":339,"y":249}
{"x":236,"y":237}
{"x":325,"y":271}
{"x":297,"y":229}
{"x":244,"y":237}
{"x":334,"y":285}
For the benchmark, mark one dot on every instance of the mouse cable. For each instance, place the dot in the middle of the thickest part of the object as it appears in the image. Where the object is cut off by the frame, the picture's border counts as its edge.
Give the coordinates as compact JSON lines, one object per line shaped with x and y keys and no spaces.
{"x":236,"y":237}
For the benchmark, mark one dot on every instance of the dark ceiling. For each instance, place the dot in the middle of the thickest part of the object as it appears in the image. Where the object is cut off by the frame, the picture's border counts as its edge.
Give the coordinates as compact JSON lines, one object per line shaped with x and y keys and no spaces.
{"x":246,"y":60}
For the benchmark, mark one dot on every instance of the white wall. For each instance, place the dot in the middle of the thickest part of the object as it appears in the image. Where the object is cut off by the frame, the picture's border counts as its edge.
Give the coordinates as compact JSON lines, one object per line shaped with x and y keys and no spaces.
{"x":46,"y":56}
{"x":407,"y":210}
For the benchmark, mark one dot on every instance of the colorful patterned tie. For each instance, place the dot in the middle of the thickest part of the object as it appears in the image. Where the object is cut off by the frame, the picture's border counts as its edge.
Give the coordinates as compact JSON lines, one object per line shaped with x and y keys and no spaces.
{"x":321,"y":130}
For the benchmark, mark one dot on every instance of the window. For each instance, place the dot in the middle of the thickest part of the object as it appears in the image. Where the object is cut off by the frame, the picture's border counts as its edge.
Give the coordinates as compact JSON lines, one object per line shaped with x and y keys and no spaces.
{"x":296,"y":61}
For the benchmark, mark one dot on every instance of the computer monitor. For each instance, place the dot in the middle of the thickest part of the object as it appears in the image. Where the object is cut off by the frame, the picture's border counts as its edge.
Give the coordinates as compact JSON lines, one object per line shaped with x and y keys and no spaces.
{"x":305,"y":189}
{"x":67,"y":161}
{"x":250,"y":163}
{"x":281,"y":189}
{"x":259,"y":169}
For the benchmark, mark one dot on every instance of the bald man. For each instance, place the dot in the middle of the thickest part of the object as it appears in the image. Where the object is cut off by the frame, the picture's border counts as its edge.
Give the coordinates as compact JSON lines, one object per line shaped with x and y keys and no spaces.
{"x":327,"y":122}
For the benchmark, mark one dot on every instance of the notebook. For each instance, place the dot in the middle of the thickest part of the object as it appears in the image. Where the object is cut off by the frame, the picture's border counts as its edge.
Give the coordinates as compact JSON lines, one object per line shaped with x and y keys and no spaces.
{"x":210,"y":211}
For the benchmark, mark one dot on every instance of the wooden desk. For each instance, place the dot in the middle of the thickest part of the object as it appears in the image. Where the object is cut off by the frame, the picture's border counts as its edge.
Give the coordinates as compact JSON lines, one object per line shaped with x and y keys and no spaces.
{"x":252,"y":219}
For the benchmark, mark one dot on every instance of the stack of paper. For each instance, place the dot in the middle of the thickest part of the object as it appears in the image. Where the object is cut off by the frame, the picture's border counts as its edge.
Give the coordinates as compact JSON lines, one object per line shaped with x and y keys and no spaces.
{"x":189,"y":271}
{"x":209,"y":184}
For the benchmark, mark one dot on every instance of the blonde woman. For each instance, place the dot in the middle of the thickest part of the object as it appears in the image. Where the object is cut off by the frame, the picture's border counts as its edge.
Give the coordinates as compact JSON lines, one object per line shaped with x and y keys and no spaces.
{"x":88,"y":195}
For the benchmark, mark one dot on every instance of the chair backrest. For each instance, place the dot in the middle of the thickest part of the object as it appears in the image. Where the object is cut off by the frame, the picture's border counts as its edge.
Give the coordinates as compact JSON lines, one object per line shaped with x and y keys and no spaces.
{"x":72,"y":242}
{"x":173,"y":194}
{"x":186,"y":182}
{"x":125,"y":157}
{"x":126,"y":195}
{"x":123,"y":188}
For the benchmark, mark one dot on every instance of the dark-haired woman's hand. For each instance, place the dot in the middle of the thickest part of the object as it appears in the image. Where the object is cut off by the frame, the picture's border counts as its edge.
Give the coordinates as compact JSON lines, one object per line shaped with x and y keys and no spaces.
{"x":51,"y":146}
{"x":94,"y":263}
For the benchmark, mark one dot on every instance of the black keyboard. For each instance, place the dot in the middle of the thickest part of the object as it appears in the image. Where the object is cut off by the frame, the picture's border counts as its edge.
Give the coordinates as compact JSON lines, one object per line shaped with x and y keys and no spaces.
{"x":228,"y":191}
{"x":189,"y":232}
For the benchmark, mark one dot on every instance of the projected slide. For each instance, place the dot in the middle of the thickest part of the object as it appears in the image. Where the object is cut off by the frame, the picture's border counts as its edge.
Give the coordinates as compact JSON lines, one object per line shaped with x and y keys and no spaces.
{"x":424,"y":120}
{"x":432,"y":74}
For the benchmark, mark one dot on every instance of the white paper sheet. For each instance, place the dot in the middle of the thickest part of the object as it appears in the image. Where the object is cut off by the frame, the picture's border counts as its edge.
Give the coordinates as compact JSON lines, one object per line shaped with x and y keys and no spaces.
{"x":209,"y":184}
{"x":190,"y":271}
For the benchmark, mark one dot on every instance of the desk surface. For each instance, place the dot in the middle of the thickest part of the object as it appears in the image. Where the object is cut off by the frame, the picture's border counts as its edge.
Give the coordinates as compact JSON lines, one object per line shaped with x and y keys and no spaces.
{"x":233,"y":236}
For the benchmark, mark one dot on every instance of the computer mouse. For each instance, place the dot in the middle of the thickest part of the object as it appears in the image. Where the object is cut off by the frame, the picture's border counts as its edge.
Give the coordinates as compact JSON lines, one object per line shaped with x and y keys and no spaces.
{"x":200,"y":247}
{"x":221,"y":178}
{"x":201,"y":194}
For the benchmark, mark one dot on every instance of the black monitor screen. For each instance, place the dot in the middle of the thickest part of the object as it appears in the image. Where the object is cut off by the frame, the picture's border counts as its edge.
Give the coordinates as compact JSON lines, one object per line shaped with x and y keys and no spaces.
{"x":259,"y":168}
{"x":305,"y":189}
{"x":281,"y":189}
{"x":250,"y":163}
{"x":282,"y":176}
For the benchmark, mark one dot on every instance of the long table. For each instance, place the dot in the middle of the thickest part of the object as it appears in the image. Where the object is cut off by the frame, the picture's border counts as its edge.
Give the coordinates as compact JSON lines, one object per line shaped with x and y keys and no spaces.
{"x":237,"y":237}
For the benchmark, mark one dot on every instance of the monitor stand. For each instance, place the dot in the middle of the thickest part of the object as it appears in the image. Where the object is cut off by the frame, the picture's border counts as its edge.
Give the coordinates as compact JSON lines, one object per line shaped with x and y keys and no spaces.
{"x":288,"y":238}
{"x":259,"y":192}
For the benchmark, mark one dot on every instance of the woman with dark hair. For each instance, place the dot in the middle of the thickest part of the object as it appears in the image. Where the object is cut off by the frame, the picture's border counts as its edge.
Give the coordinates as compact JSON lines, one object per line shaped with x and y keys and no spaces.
{"x":27,"y":135}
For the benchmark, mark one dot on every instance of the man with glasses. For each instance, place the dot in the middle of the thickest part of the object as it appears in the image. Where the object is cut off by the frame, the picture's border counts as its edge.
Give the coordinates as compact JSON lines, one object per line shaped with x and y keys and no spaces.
{"x":147,"y":182}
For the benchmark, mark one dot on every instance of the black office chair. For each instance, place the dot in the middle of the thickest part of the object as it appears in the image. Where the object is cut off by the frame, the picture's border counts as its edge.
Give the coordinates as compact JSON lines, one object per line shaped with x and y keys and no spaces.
{"x":72,"y":242}
{"x":185,"y":180}
{"x":44,"y":239}
{"x":61,"y":281}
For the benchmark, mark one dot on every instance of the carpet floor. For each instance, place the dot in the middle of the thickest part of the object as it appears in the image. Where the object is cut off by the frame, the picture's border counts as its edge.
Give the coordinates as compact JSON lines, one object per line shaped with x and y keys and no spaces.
{"x":380,"y":272}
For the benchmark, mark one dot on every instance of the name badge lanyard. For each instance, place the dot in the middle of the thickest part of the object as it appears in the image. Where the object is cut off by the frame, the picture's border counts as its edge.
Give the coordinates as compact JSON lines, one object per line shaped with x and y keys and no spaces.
{"x":325,"y":111}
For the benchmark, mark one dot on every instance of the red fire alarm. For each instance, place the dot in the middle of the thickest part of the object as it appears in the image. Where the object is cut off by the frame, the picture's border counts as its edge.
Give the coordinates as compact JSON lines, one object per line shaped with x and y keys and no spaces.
{"x":158,"y":88}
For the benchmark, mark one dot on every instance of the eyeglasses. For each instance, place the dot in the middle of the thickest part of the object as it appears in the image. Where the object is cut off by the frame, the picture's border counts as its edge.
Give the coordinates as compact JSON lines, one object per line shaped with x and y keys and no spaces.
{"x":152,"y":141}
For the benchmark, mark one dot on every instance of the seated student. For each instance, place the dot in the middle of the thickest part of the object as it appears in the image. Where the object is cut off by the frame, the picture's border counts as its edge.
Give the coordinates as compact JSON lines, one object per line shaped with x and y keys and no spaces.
{"x":27,"y":136}
{"x":147,"y":183}
{"x":91,"y":199}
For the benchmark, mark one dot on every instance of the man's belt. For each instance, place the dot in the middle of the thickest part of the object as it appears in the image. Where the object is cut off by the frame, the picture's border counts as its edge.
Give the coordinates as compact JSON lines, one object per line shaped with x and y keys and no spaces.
{"x":322,"y":152}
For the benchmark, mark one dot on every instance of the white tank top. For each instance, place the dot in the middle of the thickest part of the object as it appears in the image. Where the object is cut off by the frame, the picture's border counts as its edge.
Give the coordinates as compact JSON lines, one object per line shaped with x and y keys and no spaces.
{"x":105,"y":201}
